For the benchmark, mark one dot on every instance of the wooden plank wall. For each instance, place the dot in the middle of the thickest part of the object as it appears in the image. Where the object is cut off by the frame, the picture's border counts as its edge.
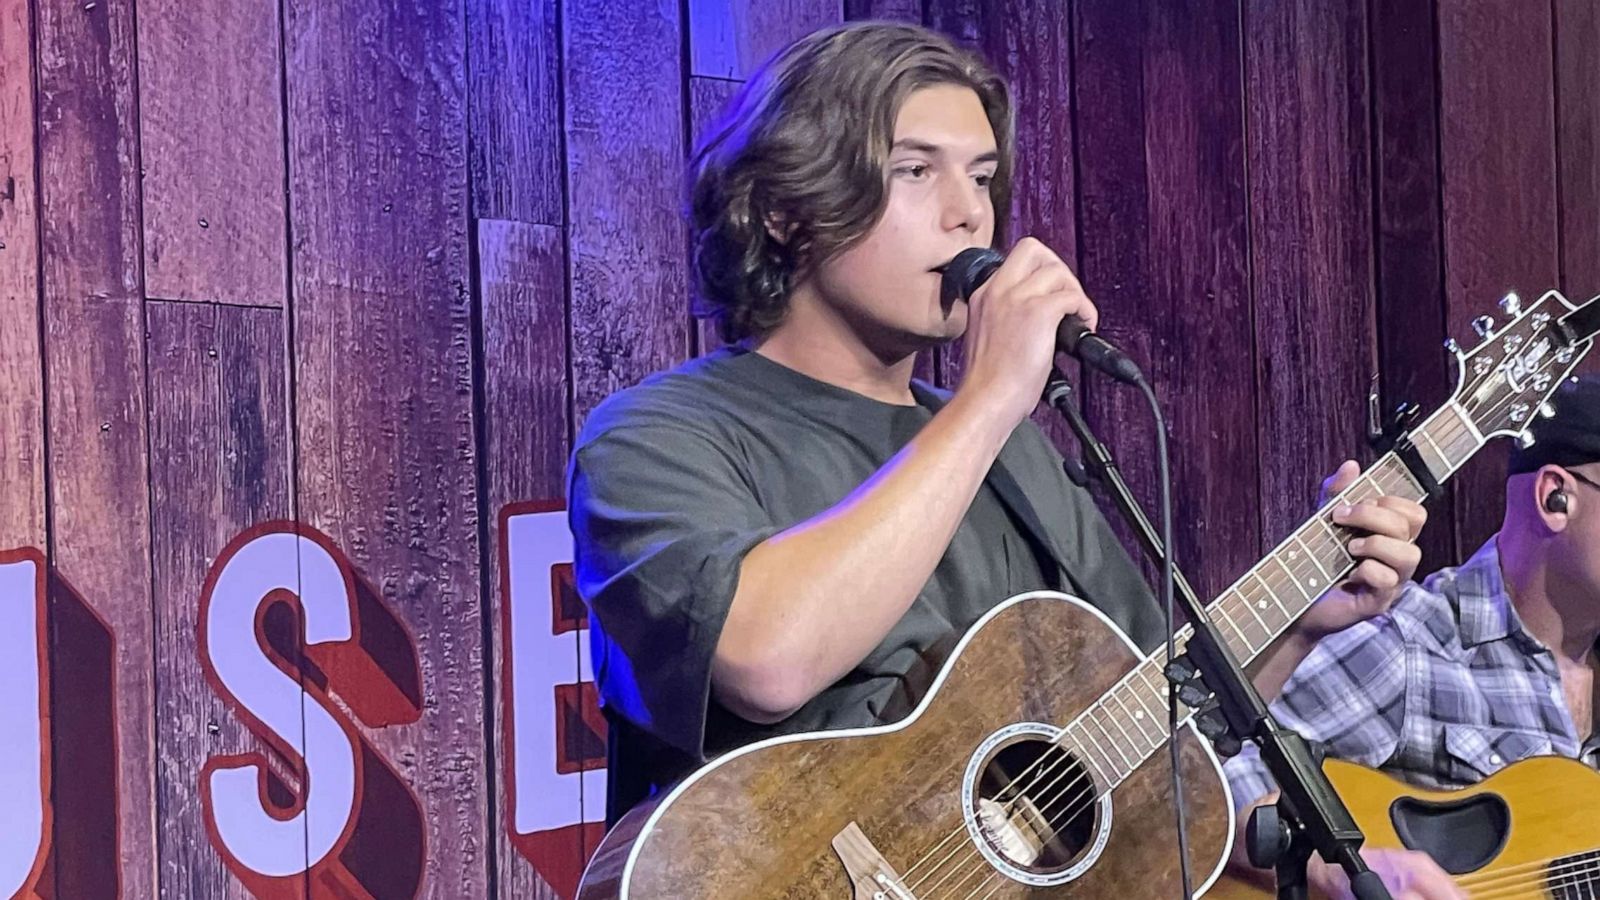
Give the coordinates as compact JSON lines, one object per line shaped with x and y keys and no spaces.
{"x":1164,"y":252}
{"x":367,"y":267}
{"x":91,"y":262}
{"x":386,"y":452}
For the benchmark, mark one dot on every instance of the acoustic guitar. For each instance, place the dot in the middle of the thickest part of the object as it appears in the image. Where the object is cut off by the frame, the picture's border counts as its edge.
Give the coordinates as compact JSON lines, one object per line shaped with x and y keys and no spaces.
{"x":1026,"y":770}
{"x":1530,"y":830}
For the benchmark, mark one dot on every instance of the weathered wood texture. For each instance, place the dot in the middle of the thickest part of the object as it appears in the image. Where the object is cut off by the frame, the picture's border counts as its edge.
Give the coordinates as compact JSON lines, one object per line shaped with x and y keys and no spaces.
{"x":1498,"y":162}
{"x":1164,"y":254}
{"x":22,"y":435}
{"x":424,"y":240}
{"x":219,"y":442}
{"x":625,"y":123}
{"x":1311,"y":267}
{"x":211,"y":140}
{"x":383,"y":355}
{"x":97,"y":438}
{"x":522,"y":283}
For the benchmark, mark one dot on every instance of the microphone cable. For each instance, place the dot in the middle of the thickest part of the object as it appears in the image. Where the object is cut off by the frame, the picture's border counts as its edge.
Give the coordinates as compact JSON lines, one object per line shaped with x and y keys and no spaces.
{"x":1164,"y":470}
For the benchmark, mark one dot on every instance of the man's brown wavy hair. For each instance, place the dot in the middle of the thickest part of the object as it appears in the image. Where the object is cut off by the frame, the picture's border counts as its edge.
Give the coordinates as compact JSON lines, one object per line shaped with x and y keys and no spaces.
{"x":804,"y":148}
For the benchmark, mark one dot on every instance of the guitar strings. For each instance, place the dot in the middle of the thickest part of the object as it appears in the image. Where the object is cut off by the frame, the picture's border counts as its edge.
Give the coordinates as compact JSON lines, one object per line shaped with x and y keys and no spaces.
{"x":1143,"y":674}
{"x":1541,"y":869}
{"x":1449,"y":434}
{"x":1020,"y":791}
{"x":1300,"y":573}
{"x":1450,"y":431}
{"x":1080,"y":802}
{"x":1538,"y":881}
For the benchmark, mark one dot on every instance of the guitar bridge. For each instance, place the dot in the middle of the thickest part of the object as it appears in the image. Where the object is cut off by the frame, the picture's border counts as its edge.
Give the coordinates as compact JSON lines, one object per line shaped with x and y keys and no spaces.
{"x":870,"y":874}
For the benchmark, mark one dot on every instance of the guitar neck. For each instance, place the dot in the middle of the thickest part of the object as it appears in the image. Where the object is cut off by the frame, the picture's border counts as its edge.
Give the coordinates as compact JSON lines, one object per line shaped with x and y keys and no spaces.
{"x":1502,"y":384}
{"x":1262,"y":605}
{"x":1125,"y":726}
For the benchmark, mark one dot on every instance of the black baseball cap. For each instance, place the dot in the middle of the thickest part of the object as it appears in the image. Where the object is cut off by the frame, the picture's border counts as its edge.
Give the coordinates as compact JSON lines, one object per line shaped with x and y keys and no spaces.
{"x":1571,"y":437}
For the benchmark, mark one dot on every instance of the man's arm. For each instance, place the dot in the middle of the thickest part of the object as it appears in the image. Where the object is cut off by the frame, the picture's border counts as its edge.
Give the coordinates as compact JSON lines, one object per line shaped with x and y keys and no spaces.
{"x":814,"y":600}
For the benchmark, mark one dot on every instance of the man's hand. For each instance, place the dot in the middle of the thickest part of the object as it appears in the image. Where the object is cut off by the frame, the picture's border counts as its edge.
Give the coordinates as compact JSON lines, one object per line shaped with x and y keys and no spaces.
{"x":1408,"y":874}
{"x":1011,"y":328}
{"x":1386,"y":548}
{"x":1388,"y":557}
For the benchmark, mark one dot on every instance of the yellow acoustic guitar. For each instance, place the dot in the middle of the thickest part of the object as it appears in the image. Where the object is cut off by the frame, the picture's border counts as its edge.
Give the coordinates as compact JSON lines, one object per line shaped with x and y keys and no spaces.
{"x":1531,"y":830}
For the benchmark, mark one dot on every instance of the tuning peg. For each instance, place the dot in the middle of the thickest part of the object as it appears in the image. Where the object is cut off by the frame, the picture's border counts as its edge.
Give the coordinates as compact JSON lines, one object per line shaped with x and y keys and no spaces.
{"x":1451,"y":346}
{"x":1546,"y":411}
{"x":1524,"y":439}
{"x":1511,"y":304}
{"x":1484,"y":326}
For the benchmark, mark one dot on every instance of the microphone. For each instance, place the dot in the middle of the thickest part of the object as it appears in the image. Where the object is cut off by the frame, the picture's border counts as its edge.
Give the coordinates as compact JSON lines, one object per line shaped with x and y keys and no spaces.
{"x":973,"y":266}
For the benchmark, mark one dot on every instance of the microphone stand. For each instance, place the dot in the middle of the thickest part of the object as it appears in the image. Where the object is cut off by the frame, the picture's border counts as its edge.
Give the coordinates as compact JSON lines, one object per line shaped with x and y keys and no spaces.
{"x":1309,"y":814}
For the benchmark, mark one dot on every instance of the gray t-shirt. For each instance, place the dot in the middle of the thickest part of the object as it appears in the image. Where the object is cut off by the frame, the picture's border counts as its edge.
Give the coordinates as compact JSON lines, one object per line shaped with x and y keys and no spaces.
{"x":675,"y":480}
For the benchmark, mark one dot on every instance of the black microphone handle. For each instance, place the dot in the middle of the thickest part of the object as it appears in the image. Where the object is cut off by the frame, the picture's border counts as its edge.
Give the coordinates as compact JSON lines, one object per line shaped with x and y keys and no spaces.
{"x":1075,"y":339}
{"x":973,"y":266}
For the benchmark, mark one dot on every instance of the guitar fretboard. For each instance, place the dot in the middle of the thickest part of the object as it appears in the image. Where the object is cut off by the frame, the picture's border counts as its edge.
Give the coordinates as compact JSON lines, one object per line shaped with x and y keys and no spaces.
{"x":1129,"y":723}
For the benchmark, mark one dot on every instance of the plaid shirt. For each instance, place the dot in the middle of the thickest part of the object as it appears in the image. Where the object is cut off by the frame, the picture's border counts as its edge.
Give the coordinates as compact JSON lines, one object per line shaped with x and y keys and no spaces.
{"x":1442,"y":691}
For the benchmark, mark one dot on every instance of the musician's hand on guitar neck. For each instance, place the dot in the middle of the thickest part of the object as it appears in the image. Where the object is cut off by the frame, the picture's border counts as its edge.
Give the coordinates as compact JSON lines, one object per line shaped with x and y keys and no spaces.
{"x":1386,"y":548}
{"x":1408,"y":874}
{"x":1388,"y":555}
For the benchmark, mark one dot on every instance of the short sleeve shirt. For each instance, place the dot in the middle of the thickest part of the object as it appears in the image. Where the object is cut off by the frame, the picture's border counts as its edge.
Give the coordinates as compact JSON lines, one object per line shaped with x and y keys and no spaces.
{"x":673,"y":481}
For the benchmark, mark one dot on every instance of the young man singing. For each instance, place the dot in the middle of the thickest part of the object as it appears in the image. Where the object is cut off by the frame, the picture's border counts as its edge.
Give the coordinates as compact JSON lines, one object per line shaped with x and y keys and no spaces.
{"x":790,"y":533}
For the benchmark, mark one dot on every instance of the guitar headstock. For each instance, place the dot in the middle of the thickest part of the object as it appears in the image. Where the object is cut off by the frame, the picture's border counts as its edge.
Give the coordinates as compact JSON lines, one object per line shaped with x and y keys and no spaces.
{"x":1507,"y":378}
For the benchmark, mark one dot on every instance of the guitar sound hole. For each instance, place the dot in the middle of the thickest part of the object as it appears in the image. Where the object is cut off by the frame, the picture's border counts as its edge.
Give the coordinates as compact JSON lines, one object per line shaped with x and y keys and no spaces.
{"x":1037,"y":804}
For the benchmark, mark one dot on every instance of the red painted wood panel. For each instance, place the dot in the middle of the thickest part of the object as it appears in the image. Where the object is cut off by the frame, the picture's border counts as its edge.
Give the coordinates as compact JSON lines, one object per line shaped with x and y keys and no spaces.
{"x":896,"y":10}
{"x":94,"y":359}
{"x":960,"y":20}
{"x":219,"y":441}
{"x":211,"y":128}
{"x":708,"y":100}
{"x":1497,"y":138}
{"x":1577,"y":24}
{"x":730,"y":38}
{"x":1409,"y":220}
{"x":387,"y":462}
{"x":1312,"y":270}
